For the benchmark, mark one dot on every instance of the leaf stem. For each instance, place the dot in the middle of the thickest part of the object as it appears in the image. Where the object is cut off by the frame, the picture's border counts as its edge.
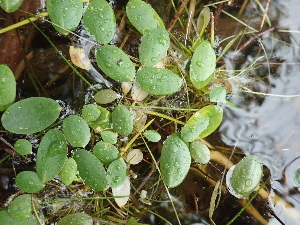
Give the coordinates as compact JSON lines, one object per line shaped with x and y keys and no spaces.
{"x":163,"y":116}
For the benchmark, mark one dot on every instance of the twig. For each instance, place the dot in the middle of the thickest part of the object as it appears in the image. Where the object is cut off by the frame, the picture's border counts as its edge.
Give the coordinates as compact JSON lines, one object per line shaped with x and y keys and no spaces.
{"x":178,"y":13}
{"x":264,"y":16}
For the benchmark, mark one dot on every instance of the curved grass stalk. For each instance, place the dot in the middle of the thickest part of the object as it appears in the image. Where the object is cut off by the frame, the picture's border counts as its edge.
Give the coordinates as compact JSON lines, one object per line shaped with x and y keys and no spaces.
{"x":163,"y":116}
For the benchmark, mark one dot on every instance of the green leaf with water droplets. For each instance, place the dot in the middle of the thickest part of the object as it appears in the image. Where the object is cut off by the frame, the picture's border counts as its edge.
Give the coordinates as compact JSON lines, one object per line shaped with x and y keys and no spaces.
{"x":90,"y":113}
{"x":215,"y":115}
{"x":76,"y":130}
{"x":115,"y":63}
{"x":7,"y":87}
{"x":68,"y":172}
{"x":29,"y":182}
{"x":246,"y":175}
{"x":23,"y":146}
{"x":97,"y":117}
{"x":158,"y":81}
{"x":154,"y":46}
{"x":175,"y":160}
{"x":116,"y":173}
{"x":20,"y":208}
{"x":152,"y":135}
{"x":90,"y":169}
{"x":99,"y":20}
{"x":105,"y":152}
{"x":218,"y":94}
{"x":10,"y":5}
{"x":76,"y":219}
{"x":105,"y":96}
{"x":122,"y":120}
{"x":30,"y":115}
{"x":203,"y":64}
{"x":51,"y":155}
{"x":65,"y":14}
{"x":109,"y":137}
{"x":142,"y":16}
{"x":6,"y":219}
{"x":194,"y":127}
{"x":199,"y":152}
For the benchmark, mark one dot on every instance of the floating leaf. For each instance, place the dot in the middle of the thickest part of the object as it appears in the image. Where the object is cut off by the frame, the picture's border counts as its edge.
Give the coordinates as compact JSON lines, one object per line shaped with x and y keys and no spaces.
{"x":90,"y":169}
{"x":30,"y":115}
{"x":99,"y":20}
{"x":76,"y":130}
{"x":203,"y":64}
{"x":7,"y":87}
{"x":152,"y":135}
{"x":68,"y":172}
{"x":158,"y":81}
{"x":29,"y":182}
{"x":194,"y":127}
{"x":134,"y":157}
{"x":154,"y":46}
{"x":109,"y":137}
{"x":246,"y":175}
{"x":142,"y":16}
{"x":10,"y":5}
{"x":218,"y":94}
{"x":215,"y":115}
{"x":6,"y":219}
{"x":116,"y":173}
{"x":20,"y":208}
{"x":115,"y":63}
{"x":90,"y":113}
{"x":79,"y":58}
{"x":76,"y":219}
{"x":203,"y":20}
{"x":122,"y":190}
{"x":23,"y":146}
{"x":175,"y":160}
{"x":103,"y":122}
{"x":51,"y":155}
{"x":122,"y":120}
{"x":199,"y":152}
{"x":105,"y":152}
{"x":65,"y":14}
{"x":105,"y":96}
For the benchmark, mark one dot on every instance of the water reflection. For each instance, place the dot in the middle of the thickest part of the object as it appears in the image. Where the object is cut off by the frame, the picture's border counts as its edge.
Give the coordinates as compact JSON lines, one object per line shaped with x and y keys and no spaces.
{"x":269,"y":124}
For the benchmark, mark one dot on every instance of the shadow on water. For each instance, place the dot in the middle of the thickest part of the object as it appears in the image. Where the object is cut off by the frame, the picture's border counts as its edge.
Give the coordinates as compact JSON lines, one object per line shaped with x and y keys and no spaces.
{"x":264,"y":124}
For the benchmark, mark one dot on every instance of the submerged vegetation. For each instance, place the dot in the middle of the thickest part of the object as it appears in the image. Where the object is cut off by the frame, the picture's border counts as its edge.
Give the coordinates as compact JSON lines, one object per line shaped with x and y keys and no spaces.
{"x":143,"y":128}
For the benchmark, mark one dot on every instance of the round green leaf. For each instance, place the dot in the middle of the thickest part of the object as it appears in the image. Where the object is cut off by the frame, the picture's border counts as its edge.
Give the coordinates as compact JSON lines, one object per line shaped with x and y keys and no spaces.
{"x":76,"y":219}
{"x":65,"y":14}
{"x":68,"y":172}
{"x":10,"y":5}
{"x":23,"y":146}
{"x":29,"y":182}
{"x":7,"y":87}
{"x":194,"y":127}
{"x":142,"y":16}
{"x":175,"y":160}
{"x":99,"y":20}
{"x":246,"y":175}
{"x":76,"y":130}
{"x":105,"y":96}
{"x":90,"y":113}
{"x":5,"y":219}
{"x":105,"y":152}
{"x":200,"y":152}
{"x":103,"y":122}
{"x":30,"y":115}
{"x":158,"y":81}
{"x":203,"y":64}
{"x":215,"y":115}
{"x":51,"y":155}
{"x":116,"y":173}
{"x":115,"y":63}
{"x":122,"y":120}
{"x":109,"y":137}
{"x":90,"y":169}
{"x":218,"y":94}
{"x":20,"y":208}
{"x":154,"y":46}
{"x":152,"y":135}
